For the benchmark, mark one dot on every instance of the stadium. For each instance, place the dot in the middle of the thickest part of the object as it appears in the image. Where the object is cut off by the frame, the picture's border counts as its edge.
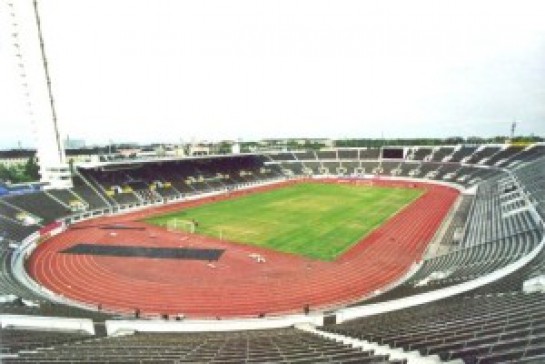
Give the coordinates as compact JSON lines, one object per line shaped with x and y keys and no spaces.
{"x":339,"y":254}
{"x":120,"y":251}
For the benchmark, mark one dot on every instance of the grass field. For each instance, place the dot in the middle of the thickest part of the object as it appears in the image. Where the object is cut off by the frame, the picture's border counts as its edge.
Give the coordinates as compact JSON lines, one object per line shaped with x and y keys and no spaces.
{"x":320,"y":221}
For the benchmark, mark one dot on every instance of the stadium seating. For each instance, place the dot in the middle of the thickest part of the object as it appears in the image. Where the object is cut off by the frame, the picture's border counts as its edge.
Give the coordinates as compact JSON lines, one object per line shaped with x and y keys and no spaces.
{"x":12,"y":212}
{"x":348,"y":154}
{"x":9,"y":286}
{"x":282,"y":156}
{"x":371,"y":153}
{"x":440,"y":153}
{"x":461,"y":153}
{"x":306,"y":155}
{"x":482,"y":154}
{"x":388,"y":167}
{"x":456,"y":225}
{"x":94,"y":199}
{"x":296,"y":168}
{"x":14,"y":230}
{"x":493,"y":323}
{"x":421,"y":153}
{"x":477,"y":329}
{"x":511,"y":219}
{"x":17,"y":340}
{"x":493,"y":238}
{"x":531,"y":177}
{"x":529,"y":154}
{"x":39,"y":307}
{"x":427,"y":169}
{"x":331,"y":167}
{"x":463,"y":264}
{"x":326,"y":154}
{"x":39,"y":204}
{"x":444,"y":170}
{"x":515,"y":281}
{"x":283,"y":345}
{"x":351,"y":167}
{"x":469,"y":175}
{"x":150,"y":183}
{"x":313,"y":166}
{"x":505,"y":154}
{"x":370,"y":167}
{"x":68,"y":199}
{"x":406,"y":169}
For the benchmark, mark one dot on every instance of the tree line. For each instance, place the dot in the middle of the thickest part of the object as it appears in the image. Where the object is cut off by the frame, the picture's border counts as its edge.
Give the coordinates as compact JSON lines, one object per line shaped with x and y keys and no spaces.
{"x":375,"y":143}
{"x":27,"y":172}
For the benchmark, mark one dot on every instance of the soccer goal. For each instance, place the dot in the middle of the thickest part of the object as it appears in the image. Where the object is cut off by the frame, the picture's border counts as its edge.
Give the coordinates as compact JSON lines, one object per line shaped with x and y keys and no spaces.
{"x":181,"y":225}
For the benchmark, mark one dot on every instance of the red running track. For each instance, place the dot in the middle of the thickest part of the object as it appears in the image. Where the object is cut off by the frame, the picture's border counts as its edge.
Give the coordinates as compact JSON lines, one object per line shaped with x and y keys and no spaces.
{"x":237,"y":285}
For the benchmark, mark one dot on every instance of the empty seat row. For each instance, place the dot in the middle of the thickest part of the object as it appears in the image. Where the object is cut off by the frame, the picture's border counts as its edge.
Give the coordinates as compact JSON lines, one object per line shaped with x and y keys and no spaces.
{"x":476,"y":329}
{"x":279,"y":346}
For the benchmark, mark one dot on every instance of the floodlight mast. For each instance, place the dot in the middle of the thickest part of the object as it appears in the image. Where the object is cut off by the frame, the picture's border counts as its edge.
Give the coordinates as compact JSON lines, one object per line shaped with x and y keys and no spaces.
{"x":54,"y":169}
{"x":513,"y":127}
{"x":60,"y":150}
{"x":36,"y":83}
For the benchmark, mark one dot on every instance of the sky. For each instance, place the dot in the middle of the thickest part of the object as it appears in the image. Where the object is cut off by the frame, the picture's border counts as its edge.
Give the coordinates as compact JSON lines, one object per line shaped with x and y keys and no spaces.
{"x":170,"y":71}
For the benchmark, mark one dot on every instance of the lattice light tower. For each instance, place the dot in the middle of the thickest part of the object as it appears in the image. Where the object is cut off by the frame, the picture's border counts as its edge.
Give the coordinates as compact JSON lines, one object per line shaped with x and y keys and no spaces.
{"x":513,"y":128}
{"x":32,"y":61}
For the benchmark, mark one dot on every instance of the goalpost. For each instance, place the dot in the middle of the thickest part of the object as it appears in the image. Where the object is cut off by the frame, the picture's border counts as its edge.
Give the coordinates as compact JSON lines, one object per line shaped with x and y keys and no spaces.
{"x":181,"y":225}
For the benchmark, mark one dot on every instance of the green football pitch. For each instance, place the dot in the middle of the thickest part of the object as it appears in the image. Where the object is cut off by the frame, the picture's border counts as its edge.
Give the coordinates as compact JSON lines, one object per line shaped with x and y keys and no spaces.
{"x":320,"y":221}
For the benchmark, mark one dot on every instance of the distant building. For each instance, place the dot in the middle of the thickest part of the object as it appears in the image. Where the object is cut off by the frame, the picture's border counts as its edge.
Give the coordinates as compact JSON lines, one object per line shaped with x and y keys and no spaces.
{"x":74,"y":143}
{"x":292,"y":144}
{"x":199,"y":149}
{"x":83,"y":155}
{"x":16,"y":157}
{"x":175,"y":151}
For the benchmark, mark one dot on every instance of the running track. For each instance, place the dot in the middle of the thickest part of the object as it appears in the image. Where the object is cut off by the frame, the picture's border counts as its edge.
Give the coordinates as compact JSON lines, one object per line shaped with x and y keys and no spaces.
{"x":236,"y":285}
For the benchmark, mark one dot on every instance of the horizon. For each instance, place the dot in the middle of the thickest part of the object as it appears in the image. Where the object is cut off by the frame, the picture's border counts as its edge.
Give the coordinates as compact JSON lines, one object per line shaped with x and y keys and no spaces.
{"x":404,"y":142}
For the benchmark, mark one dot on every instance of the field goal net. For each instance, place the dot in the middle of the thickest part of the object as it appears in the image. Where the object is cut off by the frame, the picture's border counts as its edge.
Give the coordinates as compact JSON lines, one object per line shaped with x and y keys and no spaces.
{"x":181,"y":225}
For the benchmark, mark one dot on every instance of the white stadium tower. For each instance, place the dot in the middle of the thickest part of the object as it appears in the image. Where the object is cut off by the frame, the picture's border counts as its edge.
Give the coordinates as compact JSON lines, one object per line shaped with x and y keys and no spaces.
{"x":32,"y":62}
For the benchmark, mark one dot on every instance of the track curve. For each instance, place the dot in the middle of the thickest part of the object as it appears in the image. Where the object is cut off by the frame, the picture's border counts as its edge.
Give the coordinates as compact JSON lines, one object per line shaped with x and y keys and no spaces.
{"x":236,"y":285}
